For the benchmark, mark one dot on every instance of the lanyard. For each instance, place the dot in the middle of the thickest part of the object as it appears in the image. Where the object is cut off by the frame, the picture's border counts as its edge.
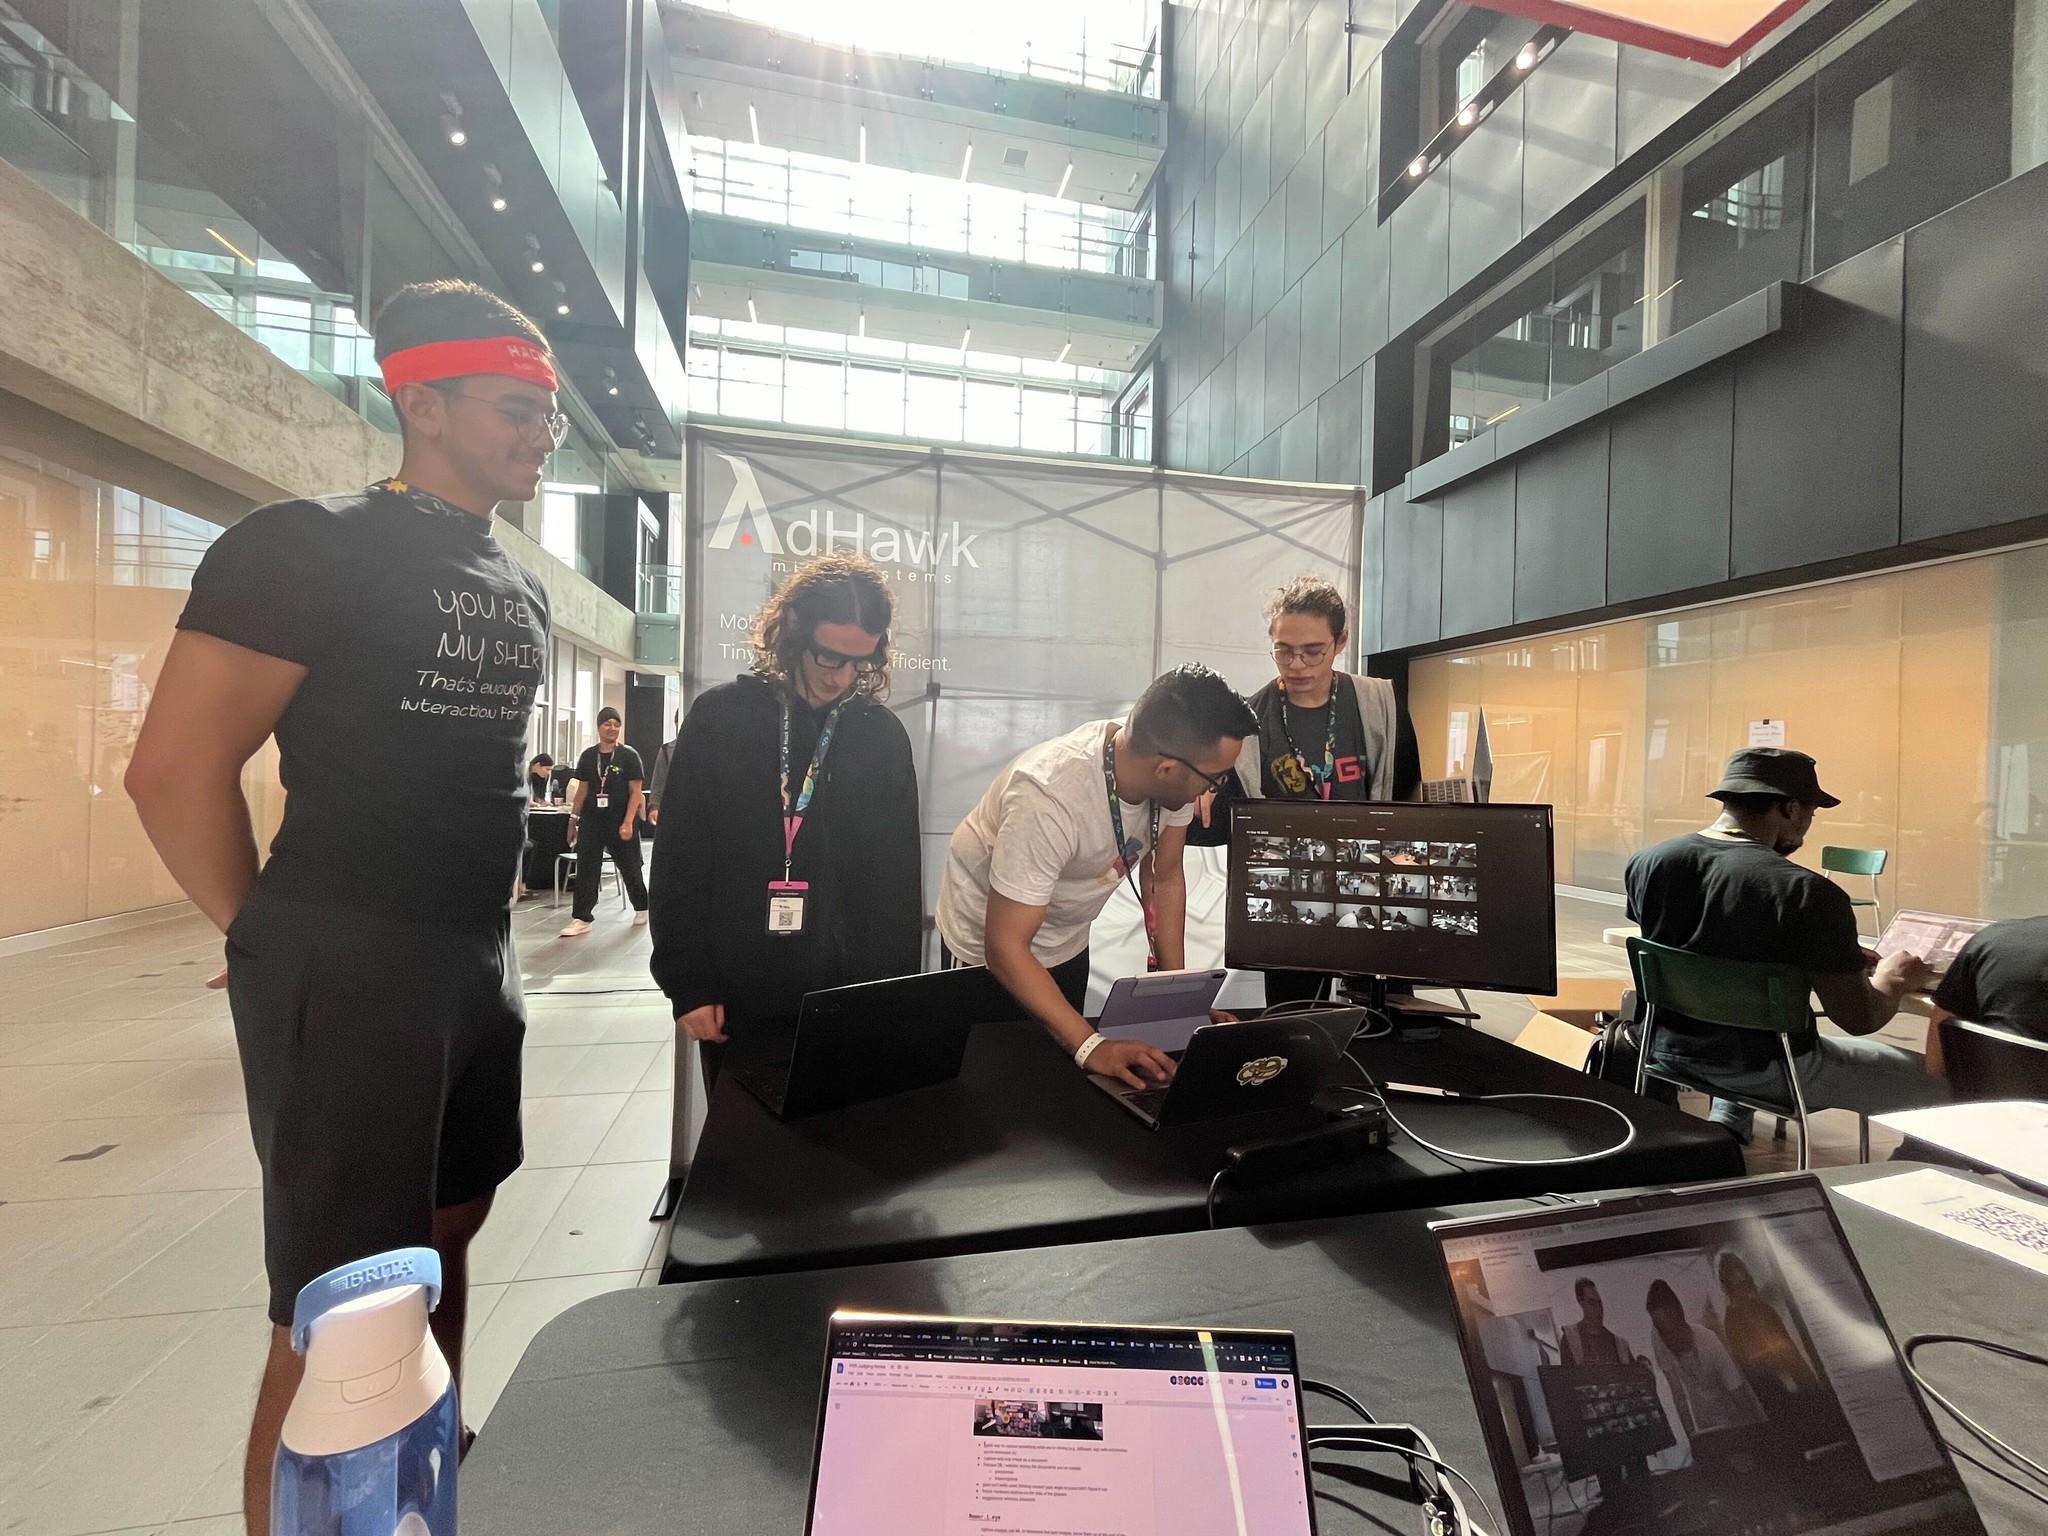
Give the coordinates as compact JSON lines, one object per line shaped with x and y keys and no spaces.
{"x":604,"y":769}
{"x":793,"y":811}
{"x":426,"y":501}
{"x":1326,"y":778}
{"x":1127,"y":851}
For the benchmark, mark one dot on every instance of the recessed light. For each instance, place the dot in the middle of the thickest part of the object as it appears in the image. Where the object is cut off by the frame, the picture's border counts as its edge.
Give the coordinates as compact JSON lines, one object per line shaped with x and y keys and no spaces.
{"x":752,"y":313}
{"x":561,"y":309}
{"x":1417,"y":166}
{"x":1063,"y":353}
{"x":457,"y":137}
{"x":754,"y":123}
{"x":1065,"y":176}
{"x":863,"y":143}
{"x":967,"y":160}
{"x":965,"y":337}
{"x":498,"y":203}
{"x":1468,"y":115}
{"x":539,"y":265}
{"x":613,"y":390}
{"x":1525,"y":56}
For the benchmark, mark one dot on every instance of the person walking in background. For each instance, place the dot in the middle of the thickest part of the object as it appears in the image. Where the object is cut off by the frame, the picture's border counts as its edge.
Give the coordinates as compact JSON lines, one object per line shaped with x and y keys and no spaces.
{"x":371,"y":973}
{"x":791,"y":859}
{"x":604,"y":810}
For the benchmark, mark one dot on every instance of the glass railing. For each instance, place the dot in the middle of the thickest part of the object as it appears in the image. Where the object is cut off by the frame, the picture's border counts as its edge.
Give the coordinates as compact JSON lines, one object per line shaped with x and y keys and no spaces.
{"x":748,"y":181}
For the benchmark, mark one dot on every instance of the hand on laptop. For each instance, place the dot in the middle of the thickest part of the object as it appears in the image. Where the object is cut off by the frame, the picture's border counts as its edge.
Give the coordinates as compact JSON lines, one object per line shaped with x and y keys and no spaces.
{"x":1901,"y":972}
{"x":1218,"y":1016}
{"x":1131,"y":1062}
{"x":706,"y":1023}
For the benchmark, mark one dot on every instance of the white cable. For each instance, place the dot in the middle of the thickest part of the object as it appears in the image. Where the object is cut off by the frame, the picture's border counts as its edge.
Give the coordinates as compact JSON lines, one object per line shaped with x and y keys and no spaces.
{"x":1627,"y":1141}
{"x":1364,"y":1442}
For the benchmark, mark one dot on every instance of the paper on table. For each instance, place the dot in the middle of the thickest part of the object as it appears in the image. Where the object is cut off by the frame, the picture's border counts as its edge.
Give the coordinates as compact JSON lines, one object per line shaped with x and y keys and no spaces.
{"x":2007,"y":1225}
{"x":2011,"y":1136}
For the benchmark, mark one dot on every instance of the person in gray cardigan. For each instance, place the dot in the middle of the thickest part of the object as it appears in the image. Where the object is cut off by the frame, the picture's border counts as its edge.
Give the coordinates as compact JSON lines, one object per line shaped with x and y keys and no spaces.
{"x":1324,"y":734}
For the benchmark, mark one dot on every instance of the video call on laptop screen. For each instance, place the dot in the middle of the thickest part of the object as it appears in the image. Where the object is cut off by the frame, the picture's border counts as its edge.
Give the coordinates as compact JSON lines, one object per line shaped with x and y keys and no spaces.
{"x":932,"y":1425}
{"x":1692,"y":1364}
{"x":1459,"y":894}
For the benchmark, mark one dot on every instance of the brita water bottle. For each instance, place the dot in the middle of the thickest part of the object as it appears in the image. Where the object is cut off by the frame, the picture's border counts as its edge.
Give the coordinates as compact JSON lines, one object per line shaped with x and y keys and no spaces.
{"x":370,"y":1444}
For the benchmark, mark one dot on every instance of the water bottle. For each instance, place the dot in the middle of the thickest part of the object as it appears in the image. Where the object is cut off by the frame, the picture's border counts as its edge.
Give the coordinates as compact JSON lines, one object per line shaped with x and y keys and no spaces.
{"x":371,"y":1441}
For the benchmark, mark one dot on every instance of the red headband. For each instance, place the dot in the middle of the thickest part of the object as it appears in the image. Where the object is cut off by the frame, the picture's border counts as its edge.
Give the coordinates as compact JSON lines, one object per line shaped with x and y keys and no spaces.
{"x":512,"y":356}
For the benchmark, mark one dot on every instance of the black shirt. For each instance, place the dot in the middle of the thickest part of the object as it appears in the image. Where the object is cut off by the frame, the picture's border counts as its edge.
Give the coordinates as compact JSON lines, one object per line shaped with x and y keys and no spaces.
{"x":721,"y":845}
{"x":2000,"y":978}
{"x":424,"y":643}
{"x":1738,"y":900}
{"x":1283,"y":728}
{"x":610,"y":774}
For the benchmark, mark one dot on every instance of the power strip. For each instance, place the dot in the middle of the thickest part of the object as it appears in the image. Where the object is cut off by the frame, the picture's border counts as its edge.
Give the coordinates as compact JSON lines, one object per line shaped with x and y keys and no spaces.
{"x":1353,"y":1135}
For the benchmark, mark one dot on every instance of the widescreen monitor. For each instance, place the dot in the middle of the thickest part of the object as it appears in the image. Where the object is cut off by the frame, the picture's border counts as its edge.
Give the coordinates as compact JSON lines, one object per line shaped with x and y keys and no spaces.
{"x":1460,"y":895}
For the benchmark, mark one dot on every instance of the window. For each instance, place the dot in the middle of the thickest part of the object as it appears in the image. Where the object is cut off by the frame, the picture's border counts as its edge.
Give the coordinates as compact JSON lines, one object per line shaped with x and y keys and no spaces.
{"x":874,"y":400}
{"x":1745,"y":211}
{"x":1464,"y":48}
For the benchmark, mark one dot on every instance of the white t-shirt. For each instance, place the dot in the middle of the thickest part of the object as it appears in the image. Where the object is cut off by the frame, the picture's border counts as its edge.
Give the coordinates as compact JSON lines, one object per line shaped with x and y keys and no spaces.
{"x":1042,"y":836}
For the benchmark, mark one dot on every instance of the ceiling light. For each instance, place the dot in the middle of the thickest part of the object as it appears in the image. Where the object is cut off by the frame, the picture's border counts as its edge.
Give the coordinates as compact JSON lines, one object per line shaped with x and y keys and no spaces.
{"x":1416,"y":167}
{"x":863,"y":143}
{"x":863,"y":322}
{"x":539,"y":265}
{"x":1525,"y":56}
{"x":561,"y":309}
{"x":498,"y":203}
{"x":1468,"y":114}
{"x":611,"y":379}
{"x":452,"y":126}
{"x":1063,"y":353}
{"x":1065,"y":176}
{"x":752,"y":313}
{"x":754,"y":122}
{"x":496,"y":183}
{"x":224,"y":240}
{"x":967,"y":159}
{"x":965,"y":337}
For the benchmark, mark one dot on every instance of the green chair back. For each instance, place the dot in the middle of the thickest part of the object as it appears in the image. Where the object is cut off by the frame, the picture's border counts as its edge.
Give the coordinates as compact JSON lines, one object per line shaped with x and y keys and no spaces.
{"x":1737,"y":994}
{"x":1853,"y":861}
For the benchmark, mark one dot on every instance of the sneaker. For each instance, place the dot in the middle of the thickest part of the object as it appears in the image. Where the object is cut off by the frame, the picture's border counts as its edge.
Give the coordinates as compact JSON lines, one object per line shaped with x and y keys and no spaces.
{"x":576,"y":929}
{"x":640,"y":918}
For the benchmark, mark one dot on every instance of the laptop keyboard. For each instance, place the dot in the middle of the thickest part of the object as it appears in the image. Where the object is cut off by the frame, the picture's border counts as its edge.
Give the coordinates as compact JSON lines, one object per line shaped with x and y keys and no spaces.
{"x":1147,"y":1099}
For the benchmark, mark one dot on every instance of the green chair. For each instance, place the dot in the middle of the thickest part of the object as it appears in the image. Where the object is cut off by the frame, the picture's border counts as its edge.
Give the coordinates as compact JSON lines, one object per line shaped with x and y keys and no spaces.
{"x":1857,"y":861}
{"x":1735,"y":994}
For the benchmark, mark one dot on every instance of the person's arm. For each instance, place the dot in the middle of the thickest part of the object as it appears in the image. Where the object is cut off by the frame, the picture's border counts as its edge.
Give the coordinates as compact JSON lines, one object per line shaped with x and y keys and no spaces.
{"x":214,"y":705}
{"x":1006,"y":947}
{"x":1862,"y":1005}
{"x":679,"y":886}
{"x":1167,"y":881}
{"x":659,"y":782}
{"x":636,"y":801}
{"x":575,"y":804}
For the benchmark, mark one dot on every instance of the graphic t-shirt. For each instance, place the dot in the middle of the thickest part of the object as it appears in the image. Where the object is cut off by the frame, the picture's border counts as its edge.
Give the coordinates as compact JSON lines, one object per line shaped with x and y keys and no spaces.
{"x":610,"y":774}
{"x":2001,"y":978}
{"x":1738,"y":900}
{"x":1042,"y":836}
{"x":1281,"y":771}
{"x":424,"y":644}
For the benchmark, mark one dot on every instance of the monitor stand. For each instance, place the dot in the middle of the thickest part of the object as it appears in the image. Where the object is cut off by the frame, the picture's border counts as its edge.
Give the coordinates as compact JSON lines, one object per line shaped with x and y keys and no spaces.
{"x":1412,"y":1017}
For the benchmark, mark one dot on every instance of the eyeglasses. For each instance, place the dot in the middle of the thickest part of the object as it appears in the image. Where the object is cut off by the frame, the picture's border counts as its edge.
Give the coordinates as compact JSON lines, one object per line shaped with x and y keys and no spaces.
{"x":1312,"y":655}
{"x":835,"y":661}
{"x":526,"y":420}
{"x":1218,"y":782}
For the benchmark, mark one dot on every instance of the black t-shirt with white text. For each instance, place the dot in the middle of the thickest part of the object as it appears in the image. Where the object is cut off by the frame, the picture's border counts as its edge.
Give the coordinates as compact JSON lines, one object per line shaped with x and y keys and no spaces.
{"x":424,"y":644}
{"x":610,"y":774}
{"x":1738,"y":900}
{"x":1282,"y":776}
{"x":2001,"y":978}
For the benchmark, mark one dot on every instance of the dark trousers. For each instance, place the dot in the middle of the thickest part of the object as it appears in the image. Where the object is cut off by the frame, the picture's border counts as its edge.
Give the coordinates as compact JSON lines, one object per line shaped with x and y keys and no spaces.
{"x":590,"y":852}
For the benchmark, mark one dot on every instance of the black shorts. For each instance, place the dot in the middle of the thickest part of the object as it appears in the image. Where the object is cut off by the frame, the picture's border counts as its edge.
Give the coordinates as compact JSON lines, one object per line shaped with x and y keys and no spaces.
{"x":381,"y":1062}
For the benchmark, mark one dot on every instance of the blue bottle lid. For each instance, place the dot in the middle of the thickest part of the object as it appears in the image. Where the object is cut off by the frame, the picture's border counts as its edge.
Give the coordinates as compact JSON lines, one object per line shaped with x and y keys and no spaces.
{"x":365,"y":1277}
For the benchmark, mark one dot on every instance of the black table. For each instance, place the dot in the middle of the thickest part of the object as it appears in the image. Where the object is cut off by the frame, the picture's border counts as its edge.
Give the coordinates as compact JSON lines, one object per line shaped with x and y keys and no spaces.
{"x":547,"y":836}
{"x":690,"y":1409}
{"x":1020,"y":1152}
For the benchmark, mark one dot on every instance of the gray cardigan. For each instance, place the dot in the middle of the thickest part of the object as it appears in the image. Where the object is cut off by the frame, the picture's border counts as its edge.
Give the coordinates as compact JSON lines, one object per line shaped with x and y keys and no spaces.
{"x":1376,"y":721}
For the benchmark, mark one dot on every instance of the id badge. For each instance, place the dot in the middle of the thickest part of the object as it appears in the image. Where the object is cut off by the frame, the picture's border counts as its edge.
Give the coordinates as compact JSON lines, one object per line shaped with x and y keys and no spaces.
{"x":786,"y":906}
{"x":603,"y":801}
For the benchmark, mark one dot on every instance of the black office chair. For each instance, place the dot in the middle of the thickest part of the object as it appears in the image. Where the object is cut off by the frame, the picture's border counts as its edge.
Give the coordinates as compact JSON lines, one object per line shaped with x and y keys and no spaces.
{"x":1985,"y":1063}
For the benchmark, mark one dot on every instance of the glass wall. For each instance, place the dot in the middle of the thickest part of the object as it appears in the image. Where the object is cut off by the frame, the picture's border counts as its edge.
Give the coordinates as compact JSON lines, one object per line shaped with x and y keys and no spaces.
{"x":1919,"y":692}
{"x":92,"y":579}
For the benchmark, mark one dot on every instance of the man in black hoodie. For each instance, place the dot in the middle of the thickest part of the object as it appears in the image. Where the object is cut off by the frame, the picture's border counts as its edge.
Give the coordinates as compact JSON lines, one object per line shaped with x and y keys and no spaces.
{"x":790,"y":859}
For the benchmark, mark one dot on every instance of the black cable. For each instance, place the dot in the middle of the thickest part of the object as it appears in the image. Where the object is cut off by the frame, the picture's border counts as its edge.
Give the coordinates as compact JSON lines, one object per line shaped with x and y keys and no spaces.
{"x":1455,"y":1157}
{"x":1999,"y":1447}
{"x":1339,"y":1395}
{"x":1991,"y":1471}
{"x":1356,"y":1442}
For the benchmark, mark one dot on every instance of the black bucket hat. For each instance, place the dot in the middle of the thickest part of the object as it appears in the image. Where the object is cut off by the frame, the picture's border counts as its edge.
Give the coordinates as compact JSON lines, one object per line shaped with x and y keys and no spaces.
{"x":1772,"y":771}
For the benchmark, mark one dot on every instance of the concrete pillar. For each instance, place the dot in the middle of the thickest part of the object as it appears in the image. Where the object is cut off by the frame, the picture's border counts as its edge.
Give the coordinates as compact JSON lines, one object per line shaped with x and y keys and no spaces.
{"x":2029,"y":84}
{"x":1663,"y":217}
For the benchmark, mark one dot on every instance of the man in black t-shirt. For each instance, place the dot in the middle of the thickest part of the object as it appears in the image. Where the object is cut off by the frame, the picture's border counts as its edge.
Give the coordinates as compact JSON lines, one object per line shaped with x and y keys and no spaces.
{"x":382,"y":634}
{"x":2000,"y":978}
{"x":1732,"y":891}
{"x":605,"y":806}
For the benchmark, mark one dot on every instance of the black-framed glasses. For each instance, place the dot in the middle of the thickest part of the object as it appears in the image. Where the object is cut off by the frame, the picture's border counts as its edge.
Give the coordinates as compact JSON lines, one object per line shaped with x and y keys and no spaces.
{"x":523,"y":418}
{"x":1310,"y":655}
{"x":836,"y":661}
{"x":1218,"y":782}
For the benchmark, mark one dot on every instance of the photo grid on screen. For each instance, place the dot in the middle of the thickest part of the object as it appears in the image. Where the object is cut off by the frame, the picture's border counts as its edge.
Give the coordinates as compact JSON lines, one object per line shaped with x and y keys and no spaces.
{"x":1384,"y":885}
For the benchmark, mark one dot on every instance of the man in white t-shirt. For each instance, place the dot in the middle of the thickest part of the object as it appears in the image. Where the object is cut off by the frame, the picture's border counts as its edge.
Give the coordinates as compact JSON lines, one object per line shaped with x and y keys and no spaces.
{"x":1036,"y":861}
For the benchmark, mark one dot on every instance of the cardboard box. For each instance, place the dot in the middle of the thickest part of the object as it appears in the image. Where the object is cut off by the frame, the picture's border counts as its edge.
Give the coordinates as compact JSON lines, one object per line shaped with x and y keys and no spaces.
{"x":1556,"y":1040}
{"x":1578,"y":998}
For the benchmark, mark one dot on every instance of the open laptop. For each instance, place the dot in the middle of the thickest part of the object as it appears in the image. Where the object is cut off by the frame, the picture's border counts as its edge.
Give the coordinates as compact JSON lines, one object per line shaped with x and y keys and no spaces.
{"x":1690,"y":1362}
{"x":930,"y":1425}
{"x":1253,"y":1067}
{"x":1162,"y":1008}
{"x":1935,"y":937}
{"x":876,"y":1038}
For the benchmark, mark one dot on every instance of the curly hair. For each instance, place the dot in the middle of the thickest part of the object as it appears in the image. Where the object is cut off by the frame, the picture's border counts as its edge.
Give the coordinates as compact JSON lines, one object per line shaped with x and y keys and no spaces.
{"x":832,"y":589}
{"x":1309,"y":594}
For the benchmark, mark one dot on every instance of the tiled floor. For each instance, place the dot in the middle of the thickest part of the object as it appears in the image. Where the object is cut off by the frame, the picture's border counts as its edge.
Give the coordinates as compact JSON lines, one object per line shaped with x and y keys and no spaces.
{"x":131,"y":1270}
{"x":131,"y":1276}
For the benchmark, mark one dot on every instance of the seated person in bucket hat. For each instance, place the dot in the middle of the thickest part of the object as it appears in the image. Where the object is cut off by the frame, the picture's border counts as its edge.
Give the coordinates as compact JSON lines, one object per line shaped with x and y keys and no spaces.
{"x":1732,"y":891}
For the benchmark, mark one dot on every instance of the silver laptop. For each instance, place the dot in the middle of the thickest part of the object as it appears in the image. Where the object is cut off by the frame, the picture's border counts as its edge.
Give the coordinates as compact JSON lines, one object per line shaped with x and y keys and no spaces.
{"x":1695,"y":1361}
{"x":1161,"y":1008}
{"x":1935,"y":937}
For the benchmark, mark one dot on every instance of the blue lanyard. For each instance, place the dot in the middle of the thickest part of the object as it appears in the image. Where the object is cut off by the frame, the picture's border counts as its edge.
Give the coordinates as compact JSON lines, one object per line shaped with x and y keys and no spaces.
{"x":793,"y":811}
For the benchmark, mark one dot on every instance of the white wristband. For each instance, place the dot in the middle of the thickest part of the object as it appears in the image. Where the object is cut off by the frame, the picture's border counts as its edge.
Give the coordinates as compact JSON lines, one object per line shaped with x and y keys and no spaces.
{"x":1086,"y":1049}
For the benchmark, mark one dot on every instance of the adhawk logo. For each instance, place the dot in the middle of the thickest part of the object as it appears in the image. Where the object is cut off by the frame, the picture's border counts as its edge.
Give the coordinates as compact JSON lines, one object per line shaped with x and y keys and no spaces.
{"x":883,"y":543}
{"x":1263,"y":1070}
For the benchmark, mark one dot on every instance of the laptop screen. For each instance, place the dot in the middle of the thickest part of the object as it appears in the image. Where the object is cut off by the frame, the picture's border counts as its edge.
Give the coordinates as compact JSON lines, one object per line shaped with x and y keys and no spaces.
{"x":1935,"y":937}
{"x":1699,"y":1361}
{"x":932,"y":1425}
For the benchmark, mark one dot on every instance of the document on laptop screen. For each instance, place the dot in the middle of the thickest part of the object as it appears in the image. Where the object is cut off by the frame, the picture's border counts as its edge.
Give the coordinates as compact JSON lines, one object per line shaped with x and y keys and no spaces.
{"x":1050,"y":1434}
